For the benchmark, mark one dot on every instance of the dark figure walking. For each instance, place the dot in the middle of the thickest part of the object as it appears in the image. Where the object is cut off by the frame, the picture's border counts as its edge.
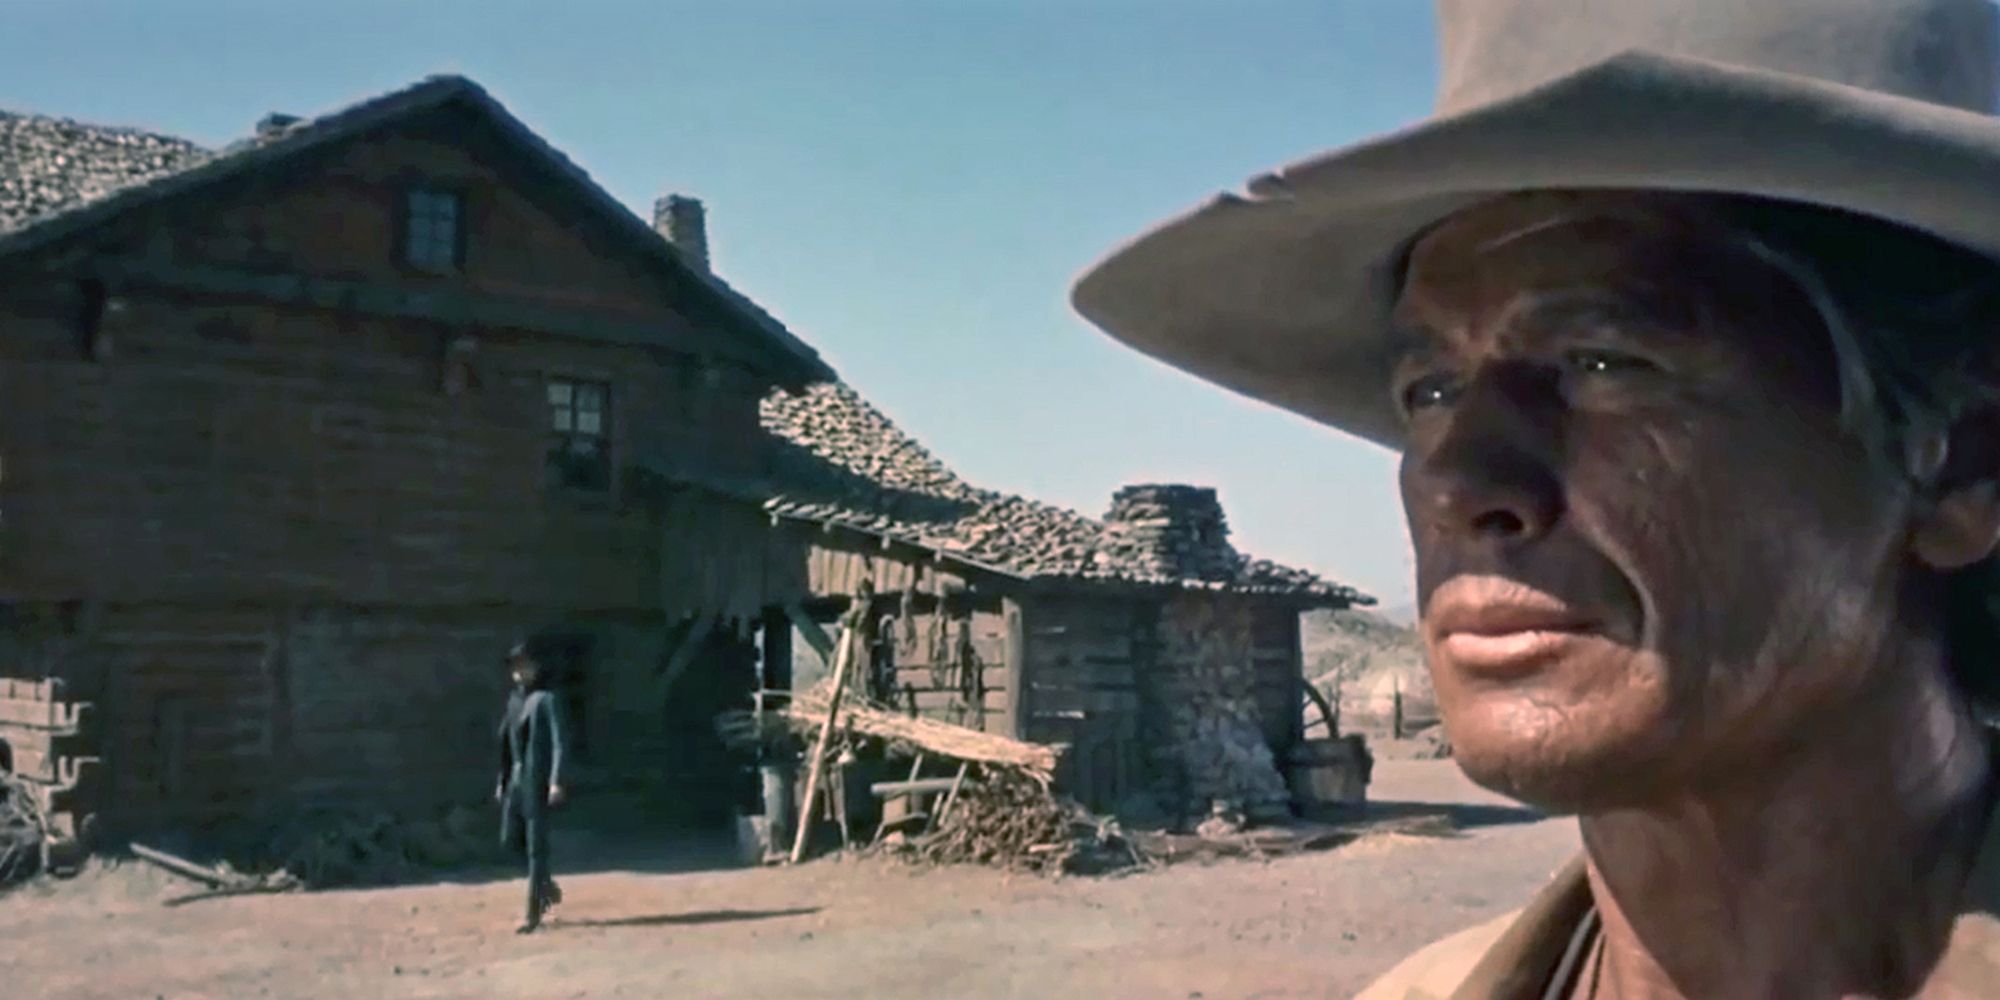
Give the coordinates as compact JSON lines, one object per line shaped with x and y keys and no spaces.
{"x":531,"y":758}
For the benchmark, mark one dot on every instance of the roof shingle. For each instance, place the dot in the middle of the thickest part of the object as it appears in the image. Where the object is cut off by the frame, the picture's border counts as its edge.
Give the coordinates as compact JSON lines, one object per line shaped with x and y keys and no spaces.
{"x":53,"y":165}
{"x":840,"y":461}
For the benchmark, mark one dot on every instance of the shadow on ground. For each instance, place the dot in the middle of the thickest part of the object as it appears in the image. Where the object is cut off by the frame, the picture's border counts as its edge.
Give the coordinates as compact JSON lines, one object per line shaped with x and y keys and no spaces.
{"x":601,"y":837}
{"x":1463,"y":815}
{"x":689,"y":919}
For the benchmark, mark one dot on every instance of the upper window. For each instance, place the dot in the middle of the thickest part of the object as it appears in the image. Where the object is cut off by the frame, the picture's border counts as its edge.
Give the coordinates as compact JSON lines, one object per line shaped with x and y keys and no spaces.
{"x":433,"y":229}
{"x":580,"y":441}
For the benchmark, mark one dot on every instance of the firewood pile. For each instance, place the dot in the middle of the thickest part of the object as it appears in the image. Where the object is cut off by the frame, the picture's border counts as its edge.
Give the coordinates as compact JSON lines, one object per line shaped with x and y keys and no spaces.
{"x":380,"y":849}
{"x":23,"y":830}
{"x":1009,"y":821}
{"x":1001,"y":812}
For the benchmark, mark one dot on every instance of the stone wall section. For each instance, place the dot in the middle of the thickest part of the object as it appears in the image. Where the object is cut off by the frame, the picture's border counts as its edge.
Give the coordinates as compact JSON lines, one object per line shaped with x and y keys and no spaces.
{"x":1210,"y":743}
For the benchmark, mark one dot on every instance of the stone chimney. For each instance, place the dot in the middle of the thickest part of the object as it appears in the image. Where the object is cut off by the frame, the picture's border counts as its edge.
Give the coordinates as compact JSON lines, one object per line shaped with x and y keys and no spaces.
{"x":683,"y":222}
{"x":1177,"y":529}
{"x":275,"y":124}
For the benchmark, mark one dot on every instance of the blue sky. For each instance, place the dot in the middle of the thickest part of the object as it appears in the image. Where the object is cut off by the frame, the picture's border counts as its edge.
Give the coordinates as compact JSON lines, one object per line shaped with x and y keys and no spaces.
{"x":911,"y":185}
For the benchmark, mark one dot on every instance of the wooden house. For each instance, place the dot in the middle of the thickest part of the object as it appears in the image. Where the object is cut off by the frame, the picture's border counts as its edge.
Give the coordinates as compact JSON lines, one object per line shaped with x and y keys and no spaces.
{"x":1167,"y":661}
{"x":299,"y":434}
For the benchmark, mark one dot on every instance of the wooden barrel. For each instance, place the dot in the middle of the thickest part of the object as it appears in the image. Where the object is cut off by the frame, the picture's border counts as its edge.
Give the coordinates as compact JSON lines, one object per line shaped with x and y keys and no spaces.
{"x":1333,"y":772}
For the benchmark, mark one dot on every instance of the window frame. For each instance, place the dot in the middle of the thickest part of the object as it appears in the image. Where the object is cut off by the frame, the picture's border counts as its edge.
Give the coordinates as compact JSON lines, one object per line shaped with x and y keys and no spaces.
{"x":561,"y":434}
{"x":407,"y":195}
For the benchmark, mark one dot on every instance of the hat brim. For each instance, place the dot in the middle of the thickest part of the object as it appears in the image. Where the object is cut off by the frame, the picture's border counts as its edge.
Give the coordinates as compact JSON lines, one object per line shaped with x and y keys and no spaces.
{"x":1284,"y":293}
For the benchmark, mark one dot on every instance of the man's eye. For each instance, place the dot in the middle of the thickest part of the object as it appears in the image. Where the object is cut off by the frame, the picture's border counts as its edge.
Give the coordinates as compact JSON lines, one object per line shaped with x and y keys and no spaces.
{"x":1594,"y":362}
{"x":1430,"y":390}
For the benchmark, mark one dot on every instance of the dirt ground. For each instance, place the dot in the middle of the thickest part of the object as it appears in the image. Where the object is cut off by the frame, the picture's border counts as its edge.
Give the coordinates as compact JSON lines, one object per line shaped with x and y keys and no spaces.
{"x":1315,"y":925}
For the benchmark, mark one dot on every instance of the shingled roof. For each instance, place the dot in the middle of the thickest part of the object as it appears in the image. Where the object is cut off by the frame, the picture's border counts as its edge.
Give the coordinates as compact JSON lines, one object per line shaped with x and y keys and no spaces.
{"x":60,"y":177}
{"x":51,"y":165}
{"x":841,"y":462}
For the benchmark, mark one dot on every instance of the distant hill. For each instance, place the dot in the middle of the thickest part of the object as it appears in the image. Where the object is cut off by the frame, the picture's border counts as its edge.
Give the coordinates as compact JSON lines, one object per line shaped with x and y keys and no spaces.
{"x":1363,"y":659}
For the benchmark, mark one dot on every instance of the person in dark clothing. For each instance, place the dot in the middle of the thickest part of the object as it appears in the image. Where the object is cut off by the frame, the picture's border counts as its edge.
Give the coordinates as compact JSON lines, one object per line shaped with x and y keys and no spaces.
{"x":531,"y":759}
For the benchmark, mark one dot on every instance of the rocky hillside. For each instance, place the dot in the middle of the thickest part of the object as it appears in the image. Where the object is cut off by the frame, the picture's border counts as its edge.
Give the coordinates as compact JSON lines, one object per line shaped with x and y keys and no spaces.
{"x":1361,"y":660}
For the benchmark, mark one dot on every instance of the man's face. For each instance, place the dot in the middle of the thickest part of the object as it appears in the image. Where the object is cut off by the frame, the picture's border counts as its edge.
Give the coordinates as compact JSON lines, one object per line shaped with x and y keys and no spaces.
{"x":1646,"y":551}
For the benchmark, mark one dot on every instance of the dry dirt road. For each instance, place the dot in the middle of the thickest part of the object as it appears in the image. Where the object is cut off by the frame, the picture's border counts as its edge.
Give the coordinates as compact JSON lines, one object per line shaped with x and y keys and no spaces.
{"x":1318,"y":925}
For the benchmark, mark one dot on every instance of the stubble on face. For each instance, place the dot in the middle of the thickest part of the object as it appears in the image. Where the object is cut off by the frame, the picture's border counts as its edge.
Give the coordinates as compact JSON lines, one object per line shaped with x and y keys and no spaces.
{"x":1617,"y":420}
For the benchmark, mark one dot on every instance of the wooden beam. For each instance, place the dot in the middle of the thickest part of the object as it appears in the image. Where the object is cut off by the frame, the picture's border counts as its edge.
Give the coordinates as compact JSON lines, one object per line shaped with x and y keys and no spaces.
{"x":915,"y":786}
{"x":1019,"y":711}
{"x":185,"y":868}
{"x":684,"y":656}
{"x":815,"y":636}
{"x":451,"y":308}
{"x":951,"y":797}
{"x":841,"y":662}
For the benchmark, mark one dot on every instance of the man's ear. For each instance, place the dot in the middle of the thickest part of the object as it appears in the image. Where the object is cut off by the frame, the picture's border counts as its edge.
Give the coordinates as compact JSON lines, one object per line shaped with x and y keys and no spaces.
{"x":1961,"y":525}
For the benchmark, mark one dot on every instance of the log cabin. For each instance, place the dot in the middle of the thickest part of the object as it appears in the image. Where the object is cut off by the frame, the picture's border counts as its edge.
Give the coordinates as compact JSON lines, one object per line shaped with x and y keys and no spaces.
{"x":1167,"y":662}
{"x":302,"y":432}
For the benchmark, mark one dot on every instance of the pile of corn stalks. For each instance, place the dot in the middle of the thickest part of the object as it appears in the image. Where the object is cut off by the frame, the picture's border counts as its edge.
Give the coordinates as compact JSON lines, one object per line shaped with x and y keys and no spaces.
{"x":1012,"y":821}
{"x":23,"y":830}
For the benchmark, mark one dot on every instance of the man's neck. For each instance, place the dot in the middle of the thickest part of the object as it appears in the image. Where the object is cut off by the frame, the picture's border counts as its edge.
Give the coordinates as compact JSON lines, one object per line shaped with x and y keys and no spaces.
{"x":1830,"y":871}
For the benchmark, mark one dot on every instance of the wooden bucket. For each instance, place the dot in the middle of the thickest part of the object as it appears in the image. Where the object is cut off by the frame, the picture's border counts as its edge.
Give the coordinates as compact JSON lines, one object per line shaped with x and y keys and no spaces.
{"x":1331,"y":772}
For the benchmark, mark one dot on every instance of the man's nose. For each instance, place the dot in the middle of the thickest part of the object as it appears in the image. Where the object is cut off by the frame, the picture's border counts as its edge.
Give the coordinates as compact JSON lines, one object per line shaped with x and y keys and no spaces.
{"x":1491,"y":476}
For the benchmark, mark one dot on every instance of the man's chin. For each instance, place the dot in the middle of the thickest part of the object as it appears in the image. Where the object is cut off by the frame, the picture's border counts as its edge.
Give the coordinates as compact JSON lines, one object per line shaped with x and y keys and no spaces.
{"x":1553,"y":777}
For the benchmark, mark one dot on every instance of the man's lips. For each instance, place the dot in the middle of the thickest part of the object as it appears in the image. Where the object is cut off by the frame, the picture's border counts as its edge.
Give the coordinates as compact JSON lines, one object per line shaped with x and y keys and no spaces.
{"x":1492,"y":625}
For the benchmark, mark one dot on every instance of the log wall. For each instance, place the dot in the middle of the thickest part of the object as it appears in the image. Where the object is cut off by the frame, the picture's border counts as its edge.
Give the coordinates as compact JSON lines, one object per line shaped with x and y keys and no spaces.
{"x":304,"y":532}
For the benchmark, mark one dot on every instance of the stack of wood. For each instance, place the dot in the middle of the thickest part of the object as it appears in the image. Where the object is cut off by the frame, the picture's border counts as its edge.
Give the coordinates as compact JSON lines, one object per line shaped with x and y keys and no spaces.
{"x":1001,"y":810}
{"x":23,"y":830}
{"x":1010,"y":821}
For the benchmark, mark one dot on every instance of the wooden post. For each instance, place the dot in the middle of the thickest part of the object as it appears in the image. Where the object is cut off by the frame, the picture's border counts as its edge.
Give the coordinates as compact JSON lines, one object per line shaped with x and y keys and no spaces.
{"x":842,"y":658}
{"x":1019,"y":712}
{"x":950,"y":798}
{"x":837,"y":792}
{"x":916,"y":767}
{"x":1396,"y":706}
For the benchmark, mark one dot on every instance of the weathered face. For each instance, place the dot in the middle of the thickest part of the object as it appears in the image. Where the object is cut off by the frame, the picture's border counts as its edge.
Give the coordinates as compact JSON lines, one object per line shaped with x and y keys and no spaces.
{"x":1647,"y":554}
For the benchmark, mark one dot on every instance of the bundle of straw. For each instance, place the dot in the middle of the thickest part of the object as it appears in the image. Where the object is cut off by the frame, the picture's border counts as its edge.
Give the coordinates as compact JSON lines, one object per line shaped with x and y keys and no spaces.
{"x":807,"y":711}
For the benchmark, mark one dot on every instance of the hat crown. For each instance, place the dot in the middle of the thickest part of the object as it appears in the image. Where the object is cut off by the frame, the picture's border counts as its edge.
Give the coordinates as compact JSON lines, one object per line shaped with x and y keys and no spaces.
{"x":1942,"y":51}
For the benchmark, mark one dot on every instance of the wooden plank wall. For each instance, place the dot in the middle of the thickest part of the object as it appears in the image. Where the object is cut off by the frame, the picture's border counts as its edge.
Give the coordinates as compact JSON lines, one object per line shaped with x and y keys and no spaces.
{"x":209,"y":714}
{"x":229,"y":449}
{"x":945,"y":630}
{"x":309,"y":545}
{"x":1279,"y":664}
{"x":950,"y":659}
{"x":837,"y":560}
{"x":1081,"y":665}
{"x":723,"y":558}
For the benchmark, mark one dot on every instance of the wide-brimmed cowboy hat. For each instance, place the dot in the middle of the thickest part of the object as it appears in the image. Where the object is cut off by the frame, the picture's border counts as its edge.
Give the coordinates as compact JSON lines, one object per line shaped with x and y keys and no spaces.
{"x":1283,"y":293}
